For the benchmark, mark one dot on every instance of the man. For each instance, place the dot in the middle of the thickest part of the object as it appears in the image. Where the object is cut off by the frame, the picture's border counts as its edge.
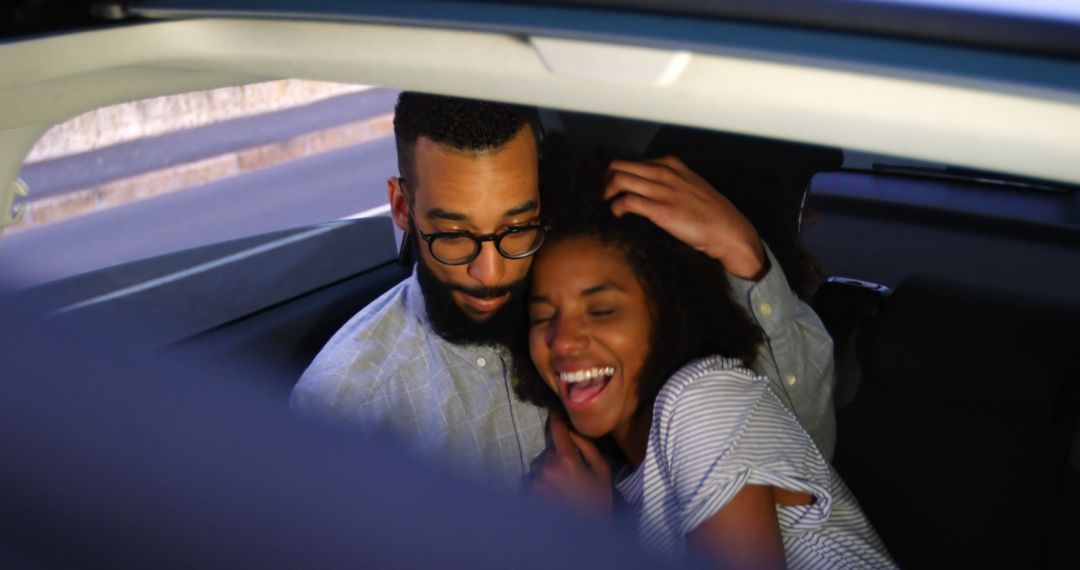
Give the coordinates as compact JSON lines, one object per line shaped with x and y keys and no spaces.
{"x":428,"y":359}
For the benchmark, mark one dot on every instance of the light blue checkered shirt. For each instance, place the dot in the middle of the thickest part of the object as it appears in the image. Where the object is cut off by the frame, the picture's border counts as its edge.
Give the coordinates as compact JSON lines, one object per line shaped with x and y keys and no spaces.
{"x":386,"y":369}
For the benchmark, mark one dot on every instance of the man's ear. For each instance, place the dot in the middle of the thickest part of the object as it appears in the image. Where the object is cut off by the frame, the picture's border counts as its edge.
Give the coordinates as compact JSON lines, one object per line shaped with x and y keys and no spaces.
{"x":399,"y":207}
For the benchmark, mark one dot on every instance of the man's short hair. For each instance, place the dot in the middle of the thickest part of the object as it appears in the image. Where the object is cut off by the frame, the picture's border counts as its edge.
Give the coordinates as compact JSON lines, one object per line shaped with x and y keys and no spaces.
{"x":465,"y":125}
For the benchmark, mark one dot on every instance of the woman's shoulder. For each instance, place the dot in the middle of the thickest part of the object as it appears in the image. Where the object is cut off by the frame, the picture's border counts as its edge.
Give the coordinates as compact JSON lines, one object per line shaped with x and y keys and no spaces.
{"x":718,"y":419}
{"x":712,"y":376}
{"x":713,"y":395}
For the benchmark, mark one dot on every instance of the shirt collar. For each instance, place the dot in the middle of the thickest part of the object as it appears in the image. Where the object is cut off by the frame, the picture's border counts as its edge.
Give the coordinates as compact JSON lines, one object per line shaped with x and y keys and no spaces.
{"x":414,"y":300}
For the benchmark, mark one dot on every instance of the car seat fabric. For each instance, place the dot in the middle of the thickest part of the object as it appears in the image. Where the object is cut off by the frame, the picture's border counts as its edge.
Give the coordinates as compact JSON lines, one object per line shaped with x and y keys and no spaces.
{"x":957,"y":444}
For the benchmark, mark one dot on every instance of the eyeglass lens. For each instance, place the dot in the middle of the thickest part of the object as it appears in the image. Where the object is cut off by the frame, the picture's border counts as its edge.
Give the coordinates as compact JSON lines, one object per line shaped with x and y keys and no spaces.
{"x":461,"y":249}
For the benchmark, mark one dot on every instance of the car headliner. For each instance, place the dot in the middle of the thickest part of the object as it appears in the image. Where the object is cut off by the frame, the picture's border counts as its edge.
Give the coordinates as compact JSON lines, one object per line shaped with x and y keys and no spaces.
{"x":1038,"y":26}
{"x":981,"y":109}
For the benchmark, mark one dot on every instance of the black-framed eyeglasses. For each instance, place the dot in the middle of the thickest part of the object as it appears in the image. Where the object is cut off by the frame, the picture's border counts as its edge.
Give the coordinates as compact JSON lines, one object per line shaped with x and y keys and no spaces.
{"x":461,"y":247}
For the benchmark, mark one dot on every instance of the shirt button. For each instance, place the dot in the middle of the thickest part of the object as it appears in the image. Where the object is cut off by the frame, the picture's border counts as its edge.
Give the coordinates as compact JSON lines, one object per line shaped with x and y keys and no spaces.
{"x":790,"y":379}
{"x":765,"y":309}
{"x":481,"y":362}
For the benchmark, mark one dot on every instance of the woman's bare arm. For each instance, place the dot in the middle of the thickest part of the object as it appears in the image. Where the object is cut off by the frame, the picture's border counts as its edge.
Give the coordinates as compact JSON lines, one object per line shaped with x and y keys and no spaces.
{"x":745,"y":533}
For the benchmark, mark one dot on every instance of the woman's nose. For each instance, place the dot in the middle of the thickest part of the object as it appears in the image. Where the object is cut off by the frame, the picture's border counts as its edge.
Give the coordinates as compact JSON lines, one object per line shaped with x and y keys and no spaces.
{"x":568,"y":336}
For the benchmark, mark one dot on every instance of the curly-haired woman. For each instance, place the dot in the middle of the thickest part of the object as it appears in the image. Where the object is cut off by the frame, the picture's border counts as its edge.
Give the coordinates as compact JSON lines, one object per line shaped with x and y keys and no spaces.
{"x":634,"y":336}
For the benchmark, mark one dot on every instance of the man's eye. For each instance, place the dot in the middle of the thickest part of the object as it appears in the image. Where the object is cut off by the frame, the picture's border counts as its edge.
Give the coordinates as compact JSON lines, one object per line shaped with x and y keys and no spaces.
{"x":539,"y":319}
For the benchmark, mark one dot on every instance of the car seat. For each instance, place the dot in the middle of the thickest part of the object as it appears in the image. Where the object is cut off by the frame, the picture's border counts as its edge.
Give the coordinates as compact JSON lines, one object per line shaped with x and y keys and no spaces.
{"x":958,"y":441}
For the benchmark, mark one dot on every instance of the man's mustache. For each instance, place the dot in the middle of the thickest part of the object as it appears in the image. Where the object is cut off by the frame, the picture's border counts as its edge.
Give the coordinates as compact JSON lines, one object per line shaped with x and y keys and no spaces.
{"x":489,"y":292}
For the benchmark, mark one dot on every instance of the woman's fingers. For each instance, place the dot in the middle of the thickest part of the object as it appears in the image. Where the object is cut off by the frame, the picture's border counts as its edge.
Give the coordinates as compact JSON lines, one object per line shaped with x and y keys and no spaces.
{"x":636,"y":204}
{"x":560,"y":435}
{"x":574,"y":454}
{"x":573,"y":471}
{"x":667,"y":170}
{"x":654,"y":187}
{"x":594,"y":460}
{"x":679,"y":167}
{"x":573,"y":451}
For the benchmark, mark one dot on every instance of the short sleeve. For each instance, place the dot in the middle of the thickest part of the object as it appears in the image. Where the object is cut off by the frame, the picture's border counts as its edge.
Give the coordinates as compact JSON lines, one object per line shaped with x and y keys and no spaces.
{"x":726,"y":429}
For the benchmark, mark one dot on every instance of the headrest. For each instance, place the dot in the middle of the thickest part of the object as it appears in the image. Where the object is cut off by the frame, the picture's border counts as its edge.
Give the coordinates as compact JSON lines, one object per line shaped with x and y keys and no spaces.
{"x":991,"y":352}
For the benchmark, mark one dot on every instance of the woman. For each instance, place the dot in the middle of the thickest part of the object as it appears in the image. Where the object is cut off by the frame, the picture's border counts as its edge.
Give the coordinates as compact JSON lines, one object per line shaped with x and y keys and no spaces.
{"x":635,"y":337}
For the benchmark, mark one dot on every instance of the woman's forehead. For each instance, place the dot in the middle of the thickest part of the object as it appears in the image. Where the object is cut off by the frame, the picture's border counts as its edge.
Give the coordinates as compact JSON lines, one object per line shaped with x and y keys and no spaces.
{"x":577,"y":264}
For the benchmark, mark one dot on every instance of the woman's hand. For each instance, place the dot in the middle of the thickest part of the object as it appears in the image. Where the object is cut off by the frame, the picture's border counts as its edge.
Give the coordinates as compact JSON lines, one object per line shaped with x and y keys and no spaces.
{"x":676,"y":199}
{"x":573,"y":472}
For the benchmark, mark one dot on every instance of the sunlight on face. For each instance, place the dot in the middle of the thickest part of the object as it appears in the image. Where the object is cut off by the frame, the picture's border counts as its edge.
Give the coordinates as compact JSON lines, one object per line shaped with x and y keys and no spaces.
{"x":589,"y":332}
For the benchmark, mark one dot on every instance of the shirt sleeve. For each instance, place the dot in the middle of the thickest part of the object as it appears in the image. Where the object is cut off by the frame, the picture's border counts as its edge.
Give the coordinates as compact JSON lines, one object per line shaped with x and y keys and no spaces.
{"x":727,"y":430}
{"x":332,"y":391}
{"x":797,"y":356}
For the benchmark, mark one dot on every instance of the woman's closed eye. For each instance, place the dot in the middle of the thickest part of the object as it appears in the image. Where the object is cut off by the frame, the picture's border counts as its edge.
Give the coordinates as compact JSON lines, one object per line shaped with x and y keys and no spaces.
{"x":602,"y":312}
{"x":539,"y":318}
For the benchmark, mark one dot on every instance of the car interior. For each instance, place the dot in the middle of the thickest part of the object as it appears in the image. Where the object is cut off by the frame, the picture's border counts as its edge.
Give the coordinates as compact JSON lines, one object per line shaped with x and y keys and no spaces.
{"x":951,"y":293}
{"x":925,"y":419}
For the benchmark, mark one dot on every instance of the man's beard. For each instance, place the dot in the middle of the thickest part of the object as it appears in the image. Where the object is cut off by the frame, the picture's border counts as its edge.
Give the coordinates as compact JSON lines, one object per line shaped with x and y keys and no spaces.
{"x":505,"y":326}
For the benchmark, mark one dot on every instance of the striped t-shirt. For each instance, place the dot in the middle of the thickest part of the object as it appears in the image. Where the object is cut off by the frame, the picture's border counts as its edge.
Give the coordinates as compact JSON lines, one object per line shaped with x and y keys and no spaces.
{"x":717,"y":427}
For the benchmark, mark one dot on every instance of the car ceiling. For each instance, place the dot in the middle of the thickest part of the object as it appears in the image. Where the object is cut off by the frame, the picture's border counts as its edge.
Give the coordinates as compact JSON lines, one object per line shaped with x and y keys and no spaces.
{"x":784,"y":93}
{"x":994,"y":25}
{"x":997,"y":25}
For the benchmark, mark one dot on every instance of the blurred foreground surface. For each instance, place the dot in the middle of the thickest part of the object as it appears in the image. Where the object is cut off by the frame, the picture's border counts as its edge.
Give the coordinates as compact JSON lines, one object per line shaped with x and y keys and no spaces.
{"x":118,"y":454}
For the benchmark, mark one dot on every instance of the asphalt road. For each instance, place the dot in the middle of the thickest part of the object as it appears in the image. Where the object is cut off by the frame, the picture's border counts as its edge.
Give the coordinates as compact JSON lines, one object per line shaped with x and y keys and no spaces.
{"x":60,"y":175}
{"x":320,"y":188}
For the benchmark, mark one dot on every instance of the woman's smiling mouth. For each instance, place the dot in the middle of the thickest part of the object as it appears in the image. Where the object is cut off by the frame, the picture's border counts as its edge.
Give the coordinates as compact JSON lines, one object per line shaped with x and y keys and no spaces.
{"x":580,"y":388}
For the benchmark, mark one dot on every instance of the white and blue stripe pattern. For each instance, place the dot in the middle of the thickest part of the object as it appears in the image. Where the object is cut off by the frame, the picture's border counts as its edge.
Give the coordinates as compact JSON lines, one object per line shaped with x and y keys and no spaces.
{"x":717,"y":427}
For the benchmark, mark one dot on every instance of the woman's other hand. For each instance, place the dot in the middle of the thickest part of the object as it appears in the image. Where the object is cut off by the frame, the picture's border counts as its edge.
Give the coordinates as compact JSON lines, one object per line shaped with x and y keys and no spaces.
{"x":573,"y":472}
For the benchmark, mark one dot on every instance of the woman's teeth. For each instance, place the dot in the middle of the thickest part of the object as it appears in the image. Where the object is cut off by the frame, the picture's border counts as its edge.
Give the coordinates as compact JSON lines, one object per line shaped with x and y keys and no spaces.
{"x":588,"y":374}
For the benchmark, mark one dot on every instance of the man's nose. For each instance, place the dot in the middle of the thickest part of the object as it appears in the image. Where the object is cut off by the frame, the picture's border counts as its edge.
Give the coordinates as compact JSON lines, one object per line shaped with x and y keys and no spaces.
{"x":489,"y":267}
{"x":568,"y":336}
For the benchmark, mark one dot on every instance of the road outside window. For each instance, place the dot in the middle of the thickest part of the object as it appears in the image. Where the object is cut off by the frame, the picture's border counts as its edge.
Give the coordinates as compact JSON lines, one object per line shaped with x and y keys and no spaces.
{"x":151,"y":177}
